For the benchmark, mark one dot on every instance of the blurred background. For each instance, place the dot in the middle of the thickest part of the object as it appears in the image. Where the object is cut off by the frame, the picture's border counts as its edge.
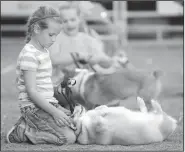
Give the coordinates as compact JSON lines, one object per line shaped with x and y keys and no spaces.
{"x":130,"y":22}
{"x":150,"y":32}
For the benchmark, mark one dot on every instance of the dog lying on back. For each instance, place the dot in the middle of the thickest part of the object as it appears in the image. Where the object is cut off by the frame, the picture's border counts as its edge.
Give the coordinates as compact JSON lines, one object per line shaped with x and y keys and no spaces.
{"x":121,"y":126}
{"x":99,"y":89}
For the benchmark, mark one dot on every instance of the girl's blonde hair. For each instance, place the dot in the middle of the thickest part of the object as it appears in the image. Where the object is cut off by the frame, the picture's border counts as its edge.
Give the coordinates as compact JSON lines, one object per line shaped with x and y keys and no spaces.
{"x":40,"y":17}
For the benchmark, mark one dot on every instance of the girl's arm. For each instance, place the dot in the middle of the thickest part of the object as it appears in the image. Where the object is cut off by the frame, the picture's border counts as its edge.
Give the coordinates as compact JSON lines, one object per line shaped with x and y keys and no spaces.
{"x":30,"y":83}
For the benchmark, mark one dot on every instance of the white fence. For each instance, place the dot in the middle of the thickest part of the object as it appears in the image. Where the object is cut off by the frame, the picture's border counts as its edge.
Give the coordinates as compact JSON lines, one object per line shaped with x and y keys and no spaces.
{"x":121,"y":16}
{"x":159,"y":30}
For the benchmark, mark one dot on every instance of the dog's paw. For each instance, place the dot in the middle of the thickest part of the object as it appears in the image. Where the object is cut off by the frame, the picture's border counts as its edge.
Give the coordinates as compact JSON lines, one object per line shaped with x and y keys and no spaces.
{"x":141,"y":105}
{"x":156,"y":106}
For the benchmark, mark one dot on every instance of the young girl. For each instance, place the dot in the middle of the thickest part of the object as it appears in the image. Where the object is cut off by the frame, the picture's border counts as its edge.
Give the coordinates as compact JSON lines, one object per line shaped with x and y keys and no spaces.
{"x":42,"y":120}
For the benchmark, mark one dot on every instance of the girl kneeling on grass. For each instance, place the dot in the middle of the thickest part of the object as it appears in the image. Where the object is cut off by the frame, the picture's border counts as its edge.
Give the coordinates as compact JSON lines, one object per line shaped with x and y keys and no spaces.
{"x":42,"y":119}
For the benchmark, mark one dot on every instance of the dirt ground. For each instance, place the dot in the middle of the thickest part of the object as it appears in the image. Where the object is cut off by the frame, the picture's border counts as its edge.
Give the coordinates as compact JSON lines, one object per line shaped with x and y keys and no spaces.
{"x":170,"y":60}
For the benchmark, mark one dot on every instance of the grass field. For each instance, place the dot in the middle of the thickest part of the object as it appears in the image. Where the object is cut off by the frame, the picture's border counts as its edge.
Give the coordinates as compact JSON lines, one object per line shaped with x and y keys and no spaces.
{"x":170,"y":60}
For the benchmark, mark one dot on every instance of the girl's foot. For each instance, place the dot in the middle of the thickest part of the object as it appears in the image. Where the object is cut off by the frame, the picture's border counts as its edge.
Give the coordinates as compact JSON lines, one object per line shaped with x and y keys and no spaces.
{"x":16,"y":133}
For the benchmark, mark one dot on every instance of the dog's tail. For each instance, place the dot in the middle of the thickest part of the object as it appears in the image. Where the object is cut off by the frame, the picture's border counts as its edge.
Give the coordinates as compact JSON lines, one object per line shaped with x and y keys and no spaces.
{"x":157,"y":73}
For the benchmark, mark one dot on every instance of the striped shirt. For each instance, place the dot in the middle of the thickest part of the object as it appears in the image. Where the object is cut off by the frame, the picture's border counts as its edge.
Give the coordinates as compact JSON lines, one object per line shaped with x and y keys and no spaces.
{"x":32,"y":59}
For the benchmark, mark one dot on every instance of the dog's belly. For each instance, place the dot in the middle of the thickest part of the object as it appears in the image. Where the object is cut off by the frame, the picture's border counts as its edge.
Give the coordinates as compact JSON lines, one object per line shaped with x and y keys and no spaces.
{"x":132,"y":132}
{"x":128,"y":133}
{"x":123,"y":127}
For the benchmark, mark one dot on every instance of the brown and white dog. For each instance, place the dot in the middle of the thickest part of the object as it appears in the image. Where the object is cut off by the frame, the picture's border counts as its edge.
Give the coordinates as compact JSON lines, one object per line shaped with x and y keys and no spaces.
{"x":121,"y":126}
{"x":99,"y":89}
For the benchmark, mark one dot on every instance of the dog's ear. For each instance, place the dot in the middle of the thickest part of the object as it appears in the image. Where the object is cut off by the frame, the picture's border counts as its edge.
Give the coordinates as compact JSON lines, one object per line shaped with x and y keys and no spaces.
{"x":157,"y":73}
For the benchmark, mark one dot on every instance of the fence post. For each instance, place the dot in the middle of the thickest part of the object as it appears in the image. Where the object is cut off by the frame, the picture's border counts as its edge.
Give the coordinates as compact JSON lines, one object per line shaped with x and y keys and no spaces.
{"x":159,"y":35}
{"x":115,"y":11}
{"x":124,"y":23}
{"x":120,"y":19}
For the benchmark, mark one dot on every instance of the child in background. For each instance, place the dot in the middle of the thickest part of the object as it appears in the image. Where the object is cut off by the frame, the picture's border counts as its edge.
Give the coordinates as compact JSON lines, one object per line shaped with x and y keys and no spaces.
{"x":42,"y":119}
{"x":70,"y":40}
{"x":113,"y":48}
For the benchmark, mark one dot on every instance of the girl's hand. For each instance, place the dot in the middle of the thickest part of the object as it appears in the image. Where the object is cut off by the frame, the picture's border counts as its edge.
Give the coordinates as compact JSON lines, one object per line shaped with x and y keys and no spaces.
{"x":66,"y":111}
{"x":62,"y":119}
